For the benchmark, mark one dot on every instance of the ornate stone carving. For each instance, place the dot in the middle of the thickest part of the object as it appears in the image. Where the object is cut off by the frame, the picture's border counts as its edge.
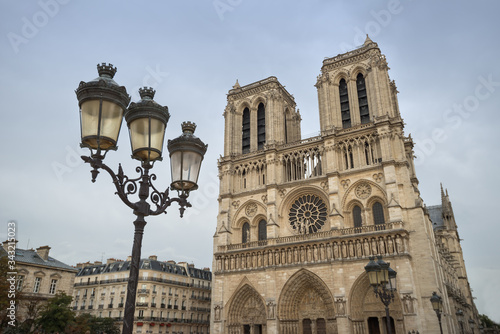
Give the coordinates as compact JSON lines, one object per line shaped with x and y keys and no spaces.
{"x":235,"y":204}
{"x":251,"y":209}
{"x":345,"y":183}
{"x":363,"y":190}
{"x":408,"y":305}
{"x":340,"y":306}
{"x":271,"y":310}
{"x":378,"y":177}
{"x":307,"y":214}
{"x":264,"y":199}
{"x":282,"y":192}
{"x":324,"y":185}
{"x":217,"y":313}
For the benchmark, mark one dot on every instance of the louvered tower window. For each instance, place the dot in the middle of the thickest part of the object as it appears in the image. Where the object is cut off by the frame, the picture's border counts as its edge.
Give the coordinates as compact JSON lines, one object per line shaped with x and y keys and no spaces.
{"x":356,"y":215}
{"x":261,"y":126}
{"x":378,"y":213}
{"x":245,"y":137}
{"x":364,"y":113}
{"x":245,"y":233}
{"x":262,"y":230}
{"x":344,"y":104}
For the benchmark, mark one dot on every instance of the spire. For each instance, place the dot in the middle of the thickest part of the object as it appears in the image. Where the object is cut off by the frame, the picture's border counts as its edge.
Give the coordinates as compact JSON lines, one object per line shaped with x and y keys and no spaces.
{"x":236,"y":85}
{"x":367,"y":40}
{"x":442,"y":194}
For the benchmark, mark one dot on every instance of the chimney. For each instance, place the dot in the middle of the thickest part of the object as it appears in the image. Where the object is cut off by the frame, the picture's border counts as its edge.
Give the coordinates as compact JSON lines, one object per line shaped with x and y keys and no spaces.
{"x":153,"y":257}
{"x":110,"y":260}
{"x":129,"y":258}
{"x":171,"y":261}
{"x":43,"y":252}
{"x":97,"y":263}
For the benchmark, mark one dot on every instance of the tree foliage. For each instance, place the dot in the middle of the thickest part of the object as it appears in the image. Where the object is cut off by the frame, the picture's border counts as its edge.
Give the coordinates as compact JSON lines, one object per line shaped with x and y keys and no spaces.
{"x":487,"y":322}
{"x":56,"y":314}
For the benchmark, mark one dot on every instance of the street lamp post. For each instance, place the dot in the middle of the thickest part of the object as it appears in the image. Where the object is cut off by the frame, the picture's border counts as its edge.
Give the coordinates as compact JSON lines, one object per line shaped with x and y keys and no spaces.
{"x":383,"y":280}
{"x":103,"y":105}
{"x":460,"y":318}
{"x":437,"y":305}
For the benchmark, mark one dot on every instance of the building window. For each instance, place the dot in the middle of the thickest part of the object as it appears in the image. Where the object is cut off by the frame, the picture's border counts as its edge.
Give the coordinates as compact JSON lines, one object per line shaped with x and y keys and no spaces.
{"x":53,"y":285}
{"x":262,"y":230}
{"x":344,"y":104}
{"x":20,"y":282}
{"x":364,"y":113}
{"x":356,"y":215}
{"x":261,"y":126}
{"x":245,"y":233}
{"x":378,"y":213}
{"x":36,"y":287}
{"x":245,"y":138}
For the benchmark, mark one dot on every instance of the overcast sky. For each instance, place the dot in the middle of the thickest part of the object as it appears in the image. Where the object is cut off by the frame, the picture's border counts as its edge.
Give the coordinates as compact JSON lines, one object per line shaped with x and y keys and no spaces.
{"x":444,"y":58}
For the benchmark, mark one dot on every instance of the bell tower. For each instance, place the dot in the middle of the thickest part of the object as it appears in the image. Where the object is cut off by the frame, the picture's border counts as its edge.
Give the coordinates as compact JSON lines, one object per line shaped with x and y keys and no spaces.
{"x":259,"y":115}
{"x":354,"y":88}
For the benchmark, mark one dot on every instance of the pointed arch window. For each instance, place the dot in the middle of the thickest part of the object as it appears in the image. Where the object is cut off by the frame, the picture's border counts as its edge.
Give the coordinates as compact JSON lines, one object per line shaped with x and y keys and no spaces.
{"x":286,"y":130}
{"x":245,"y":233}
{"x":378,"y":213}
{"x":262,"y":230}
{"x":245,"y":137}
{"x":364,"y":113}
{"x":261,"y":126}
{"x":356,"y":216}
{"x":344,"y":104}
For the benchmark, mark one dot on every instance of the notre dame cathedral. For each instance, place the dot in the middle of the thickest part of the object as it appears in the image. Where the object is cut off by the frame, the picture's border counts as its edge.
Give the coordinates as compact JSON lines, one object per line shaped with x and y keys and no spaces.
{"x":299,"y":218}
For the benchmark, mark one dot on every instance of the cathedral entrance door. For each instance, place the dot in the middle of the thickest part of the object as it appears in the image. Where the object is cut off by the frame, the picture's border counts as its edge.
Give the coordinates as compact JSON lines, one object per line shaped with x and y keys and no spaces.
{"x":246,"y":329}
{"x":320,"y":326}
{"x":373,"y":326}
{"x":306,"y":326}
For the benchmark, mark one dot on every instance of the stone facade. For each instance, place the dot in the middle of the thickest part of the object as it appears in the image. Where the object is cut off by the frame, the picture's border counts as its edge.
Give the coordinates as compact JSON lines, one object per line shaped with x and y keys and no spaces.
{"x":299,"y":218}
{"x":171,"y":297}
{"x":39,"y":278}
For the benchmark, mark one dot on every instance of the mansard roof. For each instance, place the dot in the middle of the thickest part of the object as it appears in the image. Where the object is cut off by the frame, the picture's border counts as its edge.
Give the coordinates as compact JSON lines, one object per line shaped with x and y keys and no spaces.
{"x":146,"y":264}
{"x":30,"y":256}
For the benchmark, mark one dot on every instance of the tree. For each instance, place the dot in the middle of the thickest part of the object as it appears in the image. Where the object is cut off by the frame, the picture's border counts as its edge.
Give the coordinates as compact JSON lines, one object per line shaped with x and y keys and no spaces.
{"x":87,"y":322}
{"x":56,"y":314}
{"x":487,"y":322}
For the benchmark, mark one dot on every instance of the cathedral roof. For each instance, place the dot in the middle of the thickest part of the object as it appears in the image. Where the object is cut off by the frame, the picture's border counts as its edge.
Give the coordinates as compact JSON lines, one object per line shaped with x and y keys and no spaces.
{"x":436,"y":215}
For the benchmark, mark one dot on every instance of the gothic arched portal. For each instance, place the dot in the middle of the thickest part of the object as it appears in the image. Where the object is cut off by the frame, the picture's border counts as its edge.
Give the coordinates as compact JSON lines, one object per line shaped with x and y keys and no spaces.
{"x":247,"y":312}
{"x":306,"y":305}
{"x":368,"y":312}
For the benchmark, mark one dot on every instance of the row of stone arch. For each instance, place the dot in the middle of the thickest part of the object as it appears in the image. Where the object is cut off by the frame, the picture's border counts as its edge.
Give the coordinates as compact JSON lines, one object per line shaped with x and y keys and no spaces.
{"x":304,"y":299}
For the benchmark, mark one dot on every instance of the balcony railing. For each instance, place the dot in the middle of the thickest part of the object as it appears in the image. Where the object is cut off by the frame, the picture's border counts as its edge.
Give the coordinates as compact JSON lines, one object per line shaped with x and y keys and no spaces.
{"x":141,"y":304}
{"x":358,"y":243}
{"x":313,"y":236}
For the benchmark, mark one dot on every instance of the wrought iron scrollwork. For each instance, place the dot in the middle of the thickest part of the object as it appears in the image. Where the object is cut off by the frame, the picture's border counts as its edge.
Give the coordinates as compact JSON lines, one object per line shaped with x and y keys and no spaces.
{"x":126,"y":186}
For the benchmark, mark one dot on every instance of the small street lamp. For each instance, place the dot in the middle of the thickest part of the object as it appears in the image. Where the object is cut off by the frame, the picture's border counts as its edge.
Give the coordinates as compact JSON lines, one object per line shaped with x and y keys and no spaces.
{"x":437,"y":305}
{"x":460,"y":318}
{"x":383,"y":280}
{"x":103,"y":105}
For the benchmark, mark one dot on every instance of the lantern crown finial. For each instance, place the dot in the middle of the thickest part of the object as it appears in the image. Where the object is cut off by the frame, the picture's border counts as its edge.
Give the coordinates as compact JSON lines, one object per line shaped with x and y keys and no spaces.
{"x":106,"y":70}
{"x":147,"y":93}
{"x":188,"y":127}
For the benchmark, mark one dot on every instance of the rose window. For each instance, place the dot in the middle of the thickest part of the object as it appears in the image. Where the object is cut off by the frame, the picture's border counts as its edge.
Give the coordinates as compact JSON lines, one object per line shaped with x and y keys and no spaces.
{"x":307,"y":214}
